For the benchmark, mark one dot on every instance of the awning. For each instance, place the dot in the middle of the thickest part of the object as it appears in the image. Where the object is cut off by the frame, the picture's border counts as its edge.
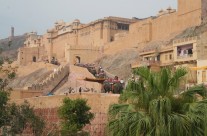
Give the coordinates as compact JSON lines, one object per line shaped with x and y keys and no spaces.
{"x":199,"y":68}
{"x":99,"y":80}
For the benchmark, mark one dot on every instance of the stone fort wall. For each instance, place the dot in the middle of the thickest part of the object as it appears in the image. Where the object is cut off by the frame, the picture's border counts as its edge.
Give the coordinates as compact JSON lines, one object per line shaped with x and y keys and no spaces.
{"x":87,"y":54}
{"x":94,"y":34}
{"x":166,"y":24}
{"x":99,"y":103}
{"x":152,"y":29}
{"x":162,"y":27}
{"x":30,"y":54}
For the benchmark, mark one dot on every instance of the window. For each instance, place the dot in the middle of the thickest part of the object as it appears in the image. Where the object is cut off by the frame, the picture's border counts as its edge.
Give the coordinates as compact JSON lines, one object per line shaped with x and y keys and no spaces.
{"x":166,"y":57}
{"x":170,"y":56}
{"x":158,"y":58}
{"x":123,"y":26}
{"x":190,"y":51}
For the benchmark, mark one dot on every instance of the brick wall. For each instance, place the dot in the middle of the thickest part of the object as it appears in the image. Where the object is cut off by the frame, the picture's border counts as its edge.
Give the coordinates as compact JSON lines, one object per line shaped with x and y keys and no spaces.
{"x":47,"y":108}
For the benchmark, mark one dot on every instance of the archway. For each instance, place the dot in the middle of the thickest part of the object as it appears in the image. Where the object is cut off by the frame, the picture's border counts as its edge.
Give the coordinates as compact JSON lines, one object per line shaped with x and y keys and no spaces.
{"x":34,"y":59}
{"x":78,"y":59}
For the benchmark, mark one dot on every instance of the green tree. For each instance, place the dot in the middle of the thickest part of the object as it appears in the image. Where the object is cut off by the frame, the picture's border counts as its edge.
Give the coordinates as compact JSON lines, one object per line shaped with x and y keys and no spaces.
{"x":15,"y":118}
{"x":75,"y":114}
{"x":22,"y":116}
{"x":3,"y":106}
{"x":154,"y":105}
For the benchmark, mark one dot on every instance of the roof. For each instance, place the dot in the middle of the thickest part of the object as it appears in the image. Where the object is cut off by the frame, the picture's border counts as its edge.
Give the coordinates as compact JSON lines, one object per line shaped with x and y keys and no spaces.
{"x":99,"y":80}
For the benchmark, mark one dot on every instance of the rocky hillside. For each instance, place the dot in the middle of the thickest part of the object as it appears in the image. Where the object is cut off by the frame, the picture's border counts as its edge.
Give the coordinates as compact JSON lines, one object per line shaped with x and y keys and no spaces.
{"x":119,"y":64}
{"x":9,"y":48}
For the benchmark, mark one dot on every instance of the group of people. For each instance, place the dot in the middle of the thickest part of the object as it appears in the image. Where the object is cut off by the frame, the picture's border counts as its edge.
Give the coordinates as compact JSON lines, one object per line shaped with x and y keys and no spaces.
{"x":110,"y":85}
{"x":113,"y":85}
{"x":80,"y":90}
{"x":98,"y":73}
{"x":53,"y":61}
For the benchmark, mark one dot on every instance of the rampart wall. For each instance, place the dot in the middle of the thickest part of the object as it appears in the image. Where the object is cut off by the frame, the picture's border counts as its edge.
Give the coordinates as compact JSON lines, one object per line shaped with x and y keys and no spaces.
{"x":87,"y":54}
{"x":21,"y":94}
{"x":103,"y":32}
{"x":95,"y":34}
{"x":47,"y":107}
{"x":159,"y":28}
{"x":51,"y":81}
{"x":162,"y":26}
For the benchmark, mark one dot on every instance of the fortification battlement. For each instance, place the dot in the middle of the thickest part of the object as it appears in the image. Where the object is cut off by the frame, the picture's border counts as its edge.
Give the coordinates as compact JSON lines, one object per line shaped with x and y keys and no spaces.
{"x":185,"y":39}
{"x":51,"y":81}
{"x":169,"y":10}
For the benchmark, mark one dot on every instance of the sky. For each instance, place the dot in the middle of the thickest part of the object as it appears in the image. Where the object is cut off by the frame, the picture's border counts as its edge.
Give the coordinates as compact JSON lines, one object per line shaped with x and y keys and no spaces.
{"x":40,"y":15}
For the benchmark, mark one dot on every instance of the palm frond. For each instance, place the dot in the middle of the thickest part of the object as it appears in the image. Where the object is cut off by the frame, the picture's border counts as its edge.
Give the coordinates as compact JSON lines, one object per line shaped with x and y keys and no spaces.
{"x":148,"y":107}
{"x":191,"y":92}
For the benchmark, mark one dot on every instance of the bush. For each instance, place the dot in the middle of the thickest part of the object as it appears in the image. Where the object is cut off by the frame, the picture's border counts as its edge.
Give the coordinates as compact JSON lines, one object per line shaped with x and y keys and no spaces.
{"x":75,"y":114}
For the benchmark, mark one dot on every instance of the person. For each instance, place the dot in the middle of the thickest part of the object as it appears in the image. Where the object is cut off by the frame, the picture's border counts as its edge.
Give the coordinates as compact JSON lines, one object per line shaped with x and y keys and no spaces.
{"x":80,"y":90}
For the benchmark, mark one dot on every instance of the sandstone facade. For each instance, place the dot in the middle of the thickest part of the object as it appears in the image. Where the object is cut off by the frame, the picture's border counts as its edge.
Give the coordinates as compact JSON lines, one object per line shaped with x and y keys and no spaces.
{"x":69,"y":41}
{"x":155,"y":38}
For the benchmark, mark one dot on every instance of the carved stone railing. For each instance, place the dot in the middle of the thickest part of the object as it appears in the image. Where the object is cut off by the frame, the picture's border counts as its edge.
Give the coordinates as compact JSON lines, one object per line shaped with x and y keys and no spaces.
{"x":51,"y":81}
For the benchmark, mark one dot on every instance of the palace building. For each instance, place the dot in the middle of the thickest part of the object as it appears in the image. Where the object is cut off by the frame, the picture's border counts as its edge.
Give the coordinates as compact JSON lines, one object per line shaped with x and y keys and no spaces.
{"x":167,"y":39}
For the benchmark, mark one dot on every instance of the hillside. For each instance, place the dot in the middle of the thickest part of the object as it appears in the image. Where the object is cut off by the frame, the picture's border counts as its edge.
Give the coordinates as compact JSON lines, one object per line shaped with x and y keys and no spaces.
{"x":119,"y":63}
{"x":9,"y":48}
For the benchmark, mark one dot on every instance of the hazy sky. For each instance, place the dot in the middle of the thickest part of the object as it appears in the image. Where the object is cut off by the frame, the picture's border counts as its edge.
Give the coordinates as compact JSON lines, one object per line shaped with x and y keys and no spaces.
{"x":39,"y":15}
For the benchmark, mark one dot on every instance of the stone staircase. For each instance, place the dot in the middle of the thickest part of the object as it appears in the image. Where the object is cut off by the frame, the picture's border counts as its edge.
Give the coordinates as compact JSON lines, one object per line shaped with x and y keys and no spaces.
{"x":51,"y":82}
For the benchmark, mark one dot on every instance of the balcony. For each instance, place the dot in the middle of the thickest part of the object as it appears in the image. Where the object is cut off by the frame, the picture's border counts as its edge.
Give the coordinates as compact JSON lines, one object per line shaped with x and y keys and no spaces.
{"x":185,"y":52}
{"x":145,"y":63}
{"x":153,"y":62}
{"x":185,"y":56}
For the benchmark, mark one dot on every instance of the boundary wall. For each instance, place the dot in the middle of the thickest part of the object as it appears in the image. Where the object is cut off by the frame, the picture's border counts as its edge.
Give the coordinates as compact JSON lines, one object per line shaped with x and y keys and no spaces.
{"x":47,"y":107}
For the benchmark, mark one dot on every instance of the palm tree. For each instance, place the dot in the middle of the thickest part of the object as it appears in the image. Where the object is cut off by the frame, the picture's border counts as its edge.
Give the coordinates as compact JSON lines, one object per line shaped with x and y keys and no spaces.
{"x":154,"y":106}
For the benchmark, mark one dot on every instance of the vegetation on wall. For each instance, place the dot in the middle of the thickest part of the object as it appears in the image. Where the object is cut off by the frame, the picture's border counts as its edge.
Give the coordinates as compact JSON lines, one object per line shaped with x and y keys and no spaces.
{"x":153,"y":105}
{"x":75,"y":114}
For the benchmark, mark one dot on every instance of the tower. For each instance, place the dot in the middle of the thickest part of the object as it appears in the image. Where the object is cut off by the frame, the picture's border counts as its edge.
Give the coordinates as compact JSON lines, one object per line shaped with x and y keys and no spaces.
{"x":12,"y":33}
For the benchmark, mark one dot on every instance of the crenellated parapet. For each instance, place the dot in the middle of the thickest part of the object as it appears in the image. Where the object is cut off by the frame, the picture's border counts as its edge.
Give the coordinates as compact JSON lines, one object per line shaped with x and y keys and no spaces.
{"x":51,"y":81}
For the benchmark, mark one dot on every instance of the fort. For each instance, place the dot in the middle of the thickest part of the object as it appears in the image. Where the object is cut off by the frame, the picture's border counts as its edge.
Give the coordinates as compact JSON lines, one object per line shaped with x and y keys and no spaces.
{"x":70,"y":40}
{"x":172,"y":38}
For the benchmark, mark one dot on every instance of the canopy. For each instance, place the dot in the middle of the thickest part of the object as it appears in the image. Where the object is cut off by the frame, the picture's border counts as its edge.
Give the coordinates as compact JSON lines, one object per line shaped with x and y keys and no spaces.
{"x":99,"y":80}
{"x":199,"y":68}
